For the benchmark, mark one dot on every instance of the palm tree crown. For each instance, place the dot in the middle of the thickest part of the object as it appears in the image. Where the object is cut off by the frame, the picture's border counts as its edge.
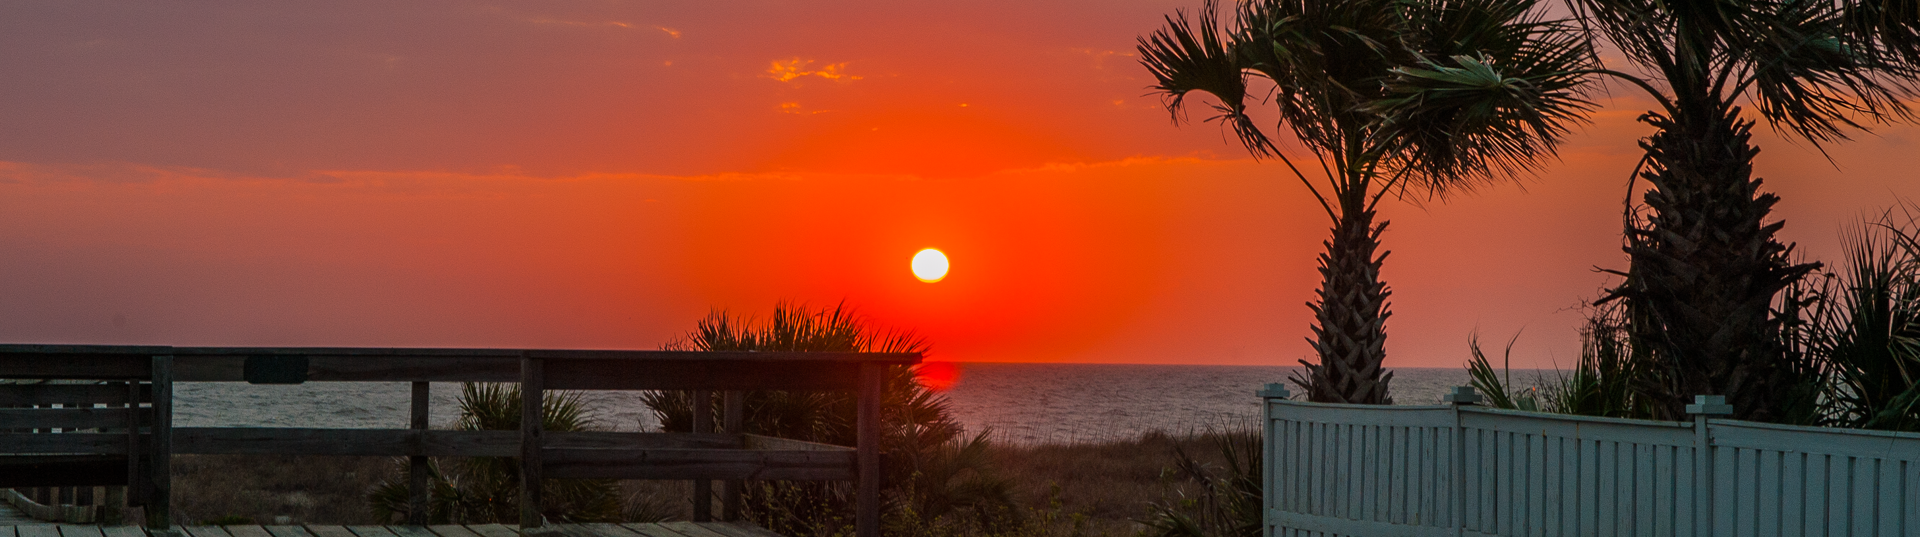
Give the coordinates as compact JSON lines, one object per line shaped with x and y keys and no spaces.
{"x":1705,"y":266}
{"x":1390,"y":96}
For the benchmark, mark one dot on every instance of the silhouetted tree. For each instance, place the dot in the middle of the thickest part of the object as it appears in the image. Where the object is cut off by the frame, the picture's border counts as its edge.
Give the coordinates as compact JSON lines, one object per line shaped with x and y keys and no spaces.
{"x":1392,"y":97}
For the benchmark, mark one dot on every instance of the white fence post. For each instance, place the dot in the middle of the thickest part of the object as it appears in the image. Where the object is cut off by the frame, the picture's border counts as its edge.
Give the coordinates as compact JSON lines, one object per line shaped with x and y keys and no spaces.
{"x":1458,"y":396}
{"x":1269,"y":467}
{"x":1704,"y":407}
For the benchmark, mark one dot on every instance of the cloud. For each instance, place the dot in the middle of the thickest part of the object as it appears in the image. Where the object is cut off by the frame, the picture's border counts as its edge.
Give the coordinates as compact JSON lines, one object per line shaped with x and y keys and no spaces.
{"x":791,"y":69}
{"x":593,"y":24}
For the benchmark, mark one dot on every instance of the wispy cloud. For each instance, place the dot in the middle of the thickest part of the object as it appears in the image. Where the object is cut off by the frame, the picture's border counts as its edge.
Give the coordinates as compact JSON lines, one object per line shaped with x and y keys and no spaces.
{"x":795,"y":68}
{"x":795,"y":108}
{"x":595,"y":24}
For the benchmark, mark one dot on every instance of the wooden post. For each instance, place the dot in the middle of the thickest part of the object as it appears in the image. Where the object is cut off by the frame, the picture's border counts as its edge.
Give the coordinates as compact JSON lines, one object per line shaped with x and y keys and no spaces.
{"x":136,"y":491}
{"x":160,"y":450}
{"x":867,"y":513}
{"x":702,"y":488}
{"x":734,"y":412}
{"x":417,"y":486}
{"x":113,"y":510}
{"x":532,"y":398}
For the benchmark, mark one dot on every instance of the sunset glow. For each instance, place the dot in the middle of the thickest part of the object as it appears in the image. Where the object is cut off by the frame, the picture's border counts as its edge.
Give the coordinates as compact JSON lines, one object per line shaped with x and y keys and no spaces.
{"x":577,"y":174}
{"x":929,"y":265}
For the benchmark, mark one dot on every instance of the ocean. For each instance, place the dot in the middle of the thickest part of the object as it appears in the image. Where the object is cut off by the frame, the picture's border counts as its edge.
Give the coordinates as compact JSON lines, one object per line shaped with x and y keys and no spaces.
{"x":1019,"y":403}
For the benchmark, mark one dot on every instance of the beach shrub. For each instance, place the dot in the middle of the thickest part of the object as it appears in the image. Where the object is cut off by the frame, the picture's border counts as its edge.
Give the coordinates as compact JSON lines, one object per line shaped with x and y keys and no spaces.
{"x":1865,"y":329}
{"x":481,"y":490}
{"x":934,"y":473}
{"x":1225,"y":502}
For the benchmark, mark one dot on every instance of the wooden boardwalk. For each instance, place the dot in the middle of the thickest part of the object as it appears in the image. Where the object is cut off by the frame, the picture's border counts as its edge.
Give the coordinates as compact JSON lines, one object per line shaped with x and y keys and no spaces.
{"x":663,"y":529}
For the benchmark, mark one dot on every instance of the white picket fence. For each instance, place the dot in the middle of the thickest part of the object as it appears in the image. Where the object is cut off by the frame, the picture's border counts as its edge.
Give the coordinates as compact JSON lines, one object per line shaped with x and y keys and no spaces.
{"x":1465,"y":470}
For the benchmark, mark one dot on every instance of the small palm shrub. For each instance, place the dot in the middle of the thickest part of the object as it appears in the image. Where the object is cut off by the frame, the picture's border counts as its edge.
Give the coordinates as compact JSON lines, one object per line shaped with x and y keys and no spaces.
{"x":480,"y":490}
{"x":934,"y":474}
{"x":1866,"y":329}
{"x":1225,"y":502}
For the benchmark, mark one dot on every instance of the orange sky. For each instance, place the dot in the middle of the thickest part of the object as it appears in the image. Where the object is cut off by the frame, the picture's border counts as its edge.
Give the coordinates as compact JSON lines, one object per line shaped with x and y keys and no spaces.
{"x":601,"y":174}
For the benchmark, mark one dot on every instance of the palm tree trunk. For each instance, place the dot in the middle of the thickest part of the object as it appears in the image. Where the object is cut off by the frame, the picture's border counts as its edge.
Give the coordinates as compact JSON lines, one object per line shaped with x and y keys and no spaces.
{"x":1350,"y":318}
{"x":1705,"y":268}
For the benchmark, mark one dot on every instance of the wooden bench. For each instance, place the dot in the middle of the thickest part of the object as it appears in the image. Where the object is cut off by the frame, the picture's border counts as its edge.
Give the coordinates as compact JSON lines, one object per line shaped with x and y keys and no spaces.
{"x":703,"y":455}
{"x":85,"y":416}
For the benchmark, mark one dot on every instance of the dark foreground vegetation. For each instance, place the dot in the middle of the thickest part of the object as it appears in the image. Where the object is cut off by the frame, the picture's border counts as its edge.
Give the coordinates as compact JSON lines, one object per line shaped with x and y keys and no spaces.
{"x":1120,"y":488}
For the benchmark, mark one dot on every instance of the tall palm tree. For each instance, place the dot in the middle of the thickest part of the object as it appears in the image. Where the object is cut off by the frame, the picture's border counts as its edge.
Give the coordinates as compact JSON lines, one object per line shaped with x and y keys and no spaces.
{"x":1390,"y":96}
{"x":1704,"y":264}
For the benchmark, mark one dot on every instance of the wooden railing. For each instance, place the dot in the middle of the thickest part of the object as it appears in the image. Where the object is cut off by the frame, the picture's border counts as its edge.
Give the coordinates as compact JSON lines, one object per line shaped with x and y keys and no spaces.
{"x":702,"y":455}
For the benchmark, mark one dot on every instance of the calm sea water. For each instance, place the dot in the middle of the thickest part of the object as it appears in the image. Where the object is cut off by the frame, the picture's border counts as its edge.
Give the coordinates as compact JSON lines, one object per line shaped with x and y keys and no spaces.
{"x":1023,"y":403}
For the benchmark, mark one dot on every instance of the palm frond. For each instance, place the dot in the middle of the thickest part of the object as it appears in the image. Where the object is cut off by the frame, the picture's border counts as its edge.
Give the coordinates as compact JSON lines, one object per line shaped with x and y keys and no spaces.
{"x":1184,"y":59}
{"x":1496,"y":109}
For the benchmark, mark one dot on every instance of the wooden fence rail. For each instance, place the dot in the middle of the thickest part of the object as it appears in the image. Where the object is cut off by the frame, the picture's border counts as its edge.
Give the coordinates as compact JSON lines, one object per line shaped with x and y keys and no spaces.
{"x":1460,"y":469}
{"x":147,"y":438}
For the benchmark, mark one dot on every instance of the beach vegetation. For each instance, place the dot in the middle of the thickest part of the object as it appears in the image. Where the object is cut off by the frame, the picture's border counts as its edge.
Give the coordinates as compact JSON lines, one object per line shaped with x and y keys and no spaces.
{"x":936,"y":475}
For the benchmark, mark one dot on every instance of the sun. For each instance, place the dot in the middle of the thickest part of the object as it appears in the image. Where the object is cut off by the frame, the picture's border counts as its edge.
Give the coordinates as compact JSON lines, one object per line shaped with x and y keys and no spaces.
{"x":930,"y":265}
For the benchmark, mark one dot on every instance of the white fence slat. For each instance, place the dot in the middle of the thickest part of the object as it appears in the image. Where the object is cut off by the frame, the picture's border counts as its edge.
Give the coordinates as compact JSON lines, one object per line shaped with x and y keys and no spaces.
{"x":1746,"y":486}
{"x":1793,"y":494}
{"x":1860,"y":501}
{"x":1724,"y":493}
{"x":1911,"y":527}
{"x":1767,"y":488}
{"x":1405,"y":465}
{"x":1815,"y":507}
{"x":1643,"y":487}
{"x":1553,"y":487}
{"x":1368,"y":453}
{"x":1323,"y":475}
{"x":1839,"y":469}
{"x":1664,"y":493}
{"x":1357,"y":448}
{"x":1890,"y":474}
{"x":1536,"y":485}
{"x":1473,"y":480}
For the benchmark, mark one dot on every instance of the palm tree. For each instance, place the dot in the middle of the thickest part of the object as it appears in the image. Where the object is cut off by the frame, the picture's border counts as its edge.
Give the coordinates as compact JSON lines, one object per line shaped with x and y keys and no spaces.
{"x":1390,"y":96}
{"x":1704,"y":264}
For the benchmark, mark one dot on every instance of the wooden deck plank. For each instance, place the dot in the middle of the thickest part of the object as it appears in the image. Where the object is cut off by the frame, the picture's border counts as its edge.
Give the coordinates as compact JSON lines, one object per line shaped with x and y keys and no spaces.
{"x":206,"y":531}
{"x":76,"y":530}
{"x":407,"y":531}
{"x":653,"y":530}
{"x":6,"y":531}
{"x":329,"y":531}
{"x":740,"y":529}
{"x":690,"y":529}
{"x":123,"y":531}
{"x":721,"y":528}
{"x":610,"y":530}
{"x":493,"y":530}
{"x":246,"y":531}
{"x":451,"y":530}
{"x":371,"y":531}
{"x":38,"y":530}
{"x":287,"y":531}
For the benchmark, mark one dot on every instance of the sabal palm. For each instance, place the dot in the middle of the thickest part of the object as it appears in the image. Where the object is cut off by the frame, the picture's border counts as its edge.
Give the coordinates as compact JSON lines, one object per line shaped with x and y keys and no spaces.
{"x":1390,"y":96}
{"x":1705,"y":265}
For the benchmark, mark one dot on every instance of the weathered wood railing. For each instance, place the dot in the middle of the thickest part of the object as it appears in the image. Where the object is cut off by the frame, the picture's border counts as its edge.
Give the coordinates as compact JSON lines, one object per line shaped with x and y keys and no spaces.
{"x":702,"y":455}
{"x":1460,"y":469}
